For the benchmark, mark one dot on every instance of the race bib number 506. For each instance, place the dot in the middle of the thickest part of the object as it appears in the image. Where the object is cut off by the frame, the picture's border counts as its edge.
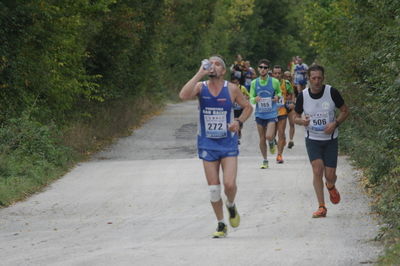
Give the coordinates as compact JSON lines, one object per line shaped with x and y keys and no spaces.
{"x":319,"y":121}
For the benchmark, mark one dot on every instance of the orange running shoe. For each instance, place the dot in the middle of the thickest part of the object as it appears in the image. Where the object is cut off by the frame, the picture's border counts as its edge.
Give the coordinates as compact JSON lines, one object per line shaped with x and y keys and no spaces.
{"x":333,"y":194}
{"x":279,"y":158}
{"x":320,"y":213}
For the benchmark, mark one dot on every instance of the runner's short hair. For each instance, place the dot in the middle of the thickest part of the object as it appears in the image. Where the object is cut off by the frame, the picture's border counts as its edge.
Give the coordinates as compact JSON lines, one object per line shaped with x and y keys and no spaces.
{"x":264,"y":61}
{"x":316,"y":68}
{"x":219,"y":58}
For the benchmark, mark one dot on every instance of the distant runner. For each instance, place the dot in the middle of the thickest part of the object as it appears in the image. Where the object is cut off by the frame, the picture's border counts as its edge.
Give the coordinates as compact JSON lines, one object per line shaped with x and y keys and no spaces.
{"x":217,"y":139}
{"x":236,"y":107}
{"x":290,"y":107}
{"x":300,"y":75}
{"x":287,"y":94}
{"x":264,"y":93}
{"x":318,"y":103}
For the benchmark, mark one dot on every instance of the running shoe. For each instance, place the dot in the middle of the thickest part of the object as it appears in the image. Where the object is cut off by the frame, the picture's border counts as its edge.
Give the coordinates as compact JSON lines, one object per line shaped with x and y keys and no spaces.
{"x":222,"y":230}
{"x":320,"y":213}
{"x":234,"y":217}
{"x":272,"y":147}
{"x":290,"y":145}
{"x":264,"y":164}
{"x":333,"y":194}
{"x":279,"y":158}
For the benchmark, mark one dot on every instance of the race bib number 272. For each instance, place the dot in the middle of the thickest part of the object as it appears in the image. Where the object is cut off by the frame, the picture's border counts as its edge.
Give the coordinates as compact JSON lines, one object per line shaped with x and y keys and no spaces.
{"x":216,"y":126}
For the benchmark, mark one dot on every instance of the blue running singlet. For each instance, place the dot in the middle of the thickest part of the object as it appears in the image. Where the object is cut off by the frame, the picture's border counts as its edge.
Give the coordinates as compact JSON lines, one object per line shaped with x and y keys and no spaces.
{"x":265,"y":108}
{"x":214,"y":116}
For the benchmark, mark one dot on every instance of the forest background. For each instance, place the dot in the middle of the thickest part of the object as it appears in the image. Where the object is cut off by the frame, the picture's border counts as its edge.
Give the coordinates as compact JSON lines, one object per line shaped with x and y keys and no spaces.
{"x":76,"y":74}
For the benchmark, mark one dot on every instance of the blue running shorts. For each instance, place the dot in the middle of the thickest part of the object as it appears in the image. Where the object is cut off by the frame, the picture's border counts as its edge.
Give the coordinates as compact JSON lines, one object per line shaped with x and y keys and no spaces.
{"x":210,"y":155}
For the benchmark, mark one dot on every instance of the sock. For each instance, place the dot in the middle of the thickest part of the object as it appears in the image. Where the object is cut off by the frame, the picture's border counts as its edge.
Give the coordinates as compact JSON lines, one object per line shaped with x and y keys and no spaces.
{"x":222,"y":221}
{"x":229,"y":204}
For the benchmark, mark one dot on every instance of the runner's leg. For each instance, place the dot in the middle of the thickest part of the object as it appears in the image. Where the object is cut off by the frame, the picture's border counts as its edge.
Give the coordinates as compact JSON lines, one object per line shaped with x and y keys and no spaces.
{"x":291,"y":116}
{"x":270,"y":134}
{"x":318,"y":172}
{"x":211,"y":170}
{"x":281,"y":135}
{"x":263,"y":141}
{"x":330,"y":176}
{"x":229,"y":169}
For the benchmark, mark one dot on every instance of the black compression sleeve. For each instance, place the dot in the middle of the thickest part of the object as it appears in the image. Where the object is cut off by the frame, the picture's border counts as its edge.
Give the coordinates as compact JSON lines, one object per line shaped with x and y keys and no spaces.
{"x":337,"y":98}
{"x":299,"y":104}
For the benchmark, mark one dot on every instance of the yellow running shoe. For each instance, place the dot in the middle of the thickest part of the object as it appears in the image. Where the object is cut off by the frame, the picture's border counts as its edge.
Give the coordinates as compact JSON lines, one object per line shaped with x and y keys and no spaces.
{"x":234,"y":217}
{"x":222,"y":230}
{"x":272,"y":146}
{"x":264,"y":164}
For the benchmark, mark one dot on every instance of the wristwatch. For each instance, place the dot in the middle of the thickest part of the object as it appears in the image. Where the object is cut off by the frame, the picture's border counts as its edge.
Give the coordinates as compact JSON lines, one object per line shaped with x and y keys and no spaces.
{"x":240,"y":123}
{"x":337,"y":123}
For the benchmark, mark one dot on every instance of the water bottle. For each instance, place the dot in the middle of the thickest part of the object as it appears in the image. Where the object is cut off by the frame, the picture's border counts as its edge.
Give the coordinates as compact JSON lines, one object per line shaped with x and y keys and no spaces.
{"x":206,"y":64}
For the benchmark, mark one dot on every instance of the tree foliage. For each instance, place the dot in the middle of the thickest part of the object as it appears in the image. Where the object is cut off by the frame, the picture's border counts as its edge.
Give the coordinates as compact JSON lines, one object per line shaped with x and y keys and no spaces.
{"x":358,"y":41}
{"x":65,"y":65}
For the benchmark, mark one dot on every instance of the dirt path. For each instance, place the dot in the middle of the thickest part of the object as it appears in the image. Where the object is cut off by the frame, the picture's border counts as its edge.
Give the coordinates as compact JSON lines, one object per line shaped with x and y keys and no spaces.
{"x":144,"y":201}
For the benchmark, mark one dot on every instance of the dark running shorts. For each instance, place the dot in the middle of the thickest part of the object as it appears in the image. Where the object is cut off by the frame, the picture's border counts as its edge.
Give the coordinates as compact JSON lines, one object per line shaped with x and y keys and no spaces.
{"x":300,"y":82}
{"x":237,"y":113}
{"x":326,"y":150}
{"x":281,"y":117}
{"x":264,"y":122}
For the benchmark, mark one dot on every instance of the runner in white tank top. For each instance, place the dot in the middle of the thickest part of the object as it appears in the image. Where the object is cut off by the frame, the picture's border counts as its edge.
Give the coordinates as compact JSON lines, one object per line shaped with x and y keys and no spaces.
{"x":315,"y":110}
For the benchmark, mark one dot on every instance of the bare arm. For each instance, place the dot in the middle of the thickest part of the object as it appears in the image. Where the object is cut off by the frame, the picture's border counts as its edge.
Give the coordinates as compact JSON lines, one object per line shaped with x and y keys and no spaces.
{"x":299,"y":120}
{"x":192,"y":88}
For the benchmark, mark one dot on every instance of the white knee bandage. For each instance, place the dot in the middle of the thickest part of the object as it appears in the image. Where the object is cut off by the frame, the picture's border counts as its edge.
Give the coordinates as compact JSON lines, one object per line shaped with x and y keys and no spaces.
{"x":215,"y":192}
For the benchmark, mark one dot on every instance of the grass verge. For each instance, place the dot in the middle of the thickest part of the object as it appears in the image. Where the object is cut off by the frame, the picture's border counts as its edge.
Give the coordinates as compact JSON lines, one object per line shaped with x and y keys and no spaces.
{"x":32,"y":155}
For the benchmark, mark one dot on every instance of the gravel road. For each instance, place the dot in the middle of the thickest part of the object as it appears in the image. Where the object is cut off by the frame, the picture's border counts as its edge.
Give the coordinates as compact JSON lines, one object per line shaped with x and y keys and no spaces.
{"x":144,"y":201}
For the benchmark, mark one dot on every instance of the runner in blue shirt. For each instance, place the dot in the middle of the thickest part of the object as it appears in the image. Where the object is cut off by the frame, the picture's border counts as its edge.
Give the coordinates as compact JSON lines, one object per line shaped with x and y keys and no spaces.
{"x":217,"y":138}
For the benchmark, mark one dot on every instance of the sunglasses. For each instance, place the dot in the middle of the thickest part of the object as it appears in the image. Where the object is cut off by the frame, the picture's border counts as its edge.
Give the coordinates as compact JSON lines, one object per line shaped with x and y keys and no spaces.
{"x":263,"y":67}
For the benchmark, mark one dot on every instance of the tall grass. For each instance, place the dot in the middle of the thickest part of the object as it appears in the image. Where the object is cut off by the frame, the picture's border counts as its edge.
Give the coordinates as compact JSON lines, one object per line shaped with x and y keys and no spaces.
{"x":33,"y":154}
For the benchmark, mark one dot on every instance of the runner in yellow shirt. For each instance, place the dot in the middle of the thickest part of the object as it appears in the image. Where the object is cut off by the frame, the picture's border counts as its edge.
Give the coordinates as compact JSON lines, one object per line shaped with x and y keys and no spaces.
{"x":237,"y":109}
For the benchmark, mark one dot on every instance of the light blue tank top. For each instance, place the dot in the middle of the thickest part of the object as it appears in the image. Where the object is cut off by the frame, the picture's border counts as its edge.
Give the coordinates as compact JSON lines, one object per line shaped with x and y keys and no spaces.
{"x":266,"y":108}
{"x":215,"y":113}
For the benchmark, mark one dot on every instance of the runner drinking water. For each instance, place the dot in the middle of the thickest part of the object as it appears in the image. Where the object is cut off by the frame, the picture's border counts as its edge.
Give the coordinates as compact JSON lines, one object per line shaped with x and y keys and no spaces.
{"x":217,"y":139}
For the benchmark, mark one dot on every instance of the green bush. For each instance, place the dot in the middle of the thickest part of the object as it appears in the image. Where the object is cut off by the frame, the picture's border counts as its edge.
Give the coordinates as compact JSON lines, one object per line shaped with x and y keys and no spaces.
{"x":30,"y":157}
{"x":358,"y":42}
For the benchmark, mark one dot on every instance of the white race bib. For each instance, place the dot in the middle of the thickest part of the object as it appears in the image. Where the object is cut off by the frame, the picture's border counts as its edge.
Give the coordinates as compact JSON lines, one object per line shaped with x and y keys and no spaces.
{"x":281,"y":101}
{"x":248,"y":82}
{"x":216,"y":127}
{"x":318,"y":121}
{"x":265,"y":105}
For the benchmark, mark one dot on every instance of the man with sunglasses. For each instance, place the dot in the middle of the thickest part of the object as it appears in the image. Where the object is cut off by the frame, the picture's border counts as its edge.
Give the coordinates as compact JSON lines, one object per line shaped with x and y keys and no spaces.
{"x":264,"y":93}
{"x":217,"y":139}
